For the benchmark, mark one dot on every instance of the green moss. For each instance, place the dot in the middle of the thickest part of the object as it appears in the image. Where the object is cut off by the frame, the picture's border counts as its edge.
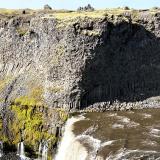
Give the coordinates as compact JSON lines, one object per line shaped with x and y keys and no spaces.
{"x":28,"y":118}
{"x":2,"y":137}
{"x":30,"y":122}
{"x":63,"y":114}
{"x":22,"y":31}
{"x":34,"y":98}
{"x":25,"y":101}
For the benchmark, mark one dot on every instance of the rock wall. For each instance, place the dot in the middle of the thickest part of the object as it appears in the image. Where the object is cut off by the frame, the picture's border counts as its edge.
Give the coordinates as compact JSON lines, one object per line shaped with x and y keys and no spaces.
{"x":80,"y":62}
{"x":88,"y":61}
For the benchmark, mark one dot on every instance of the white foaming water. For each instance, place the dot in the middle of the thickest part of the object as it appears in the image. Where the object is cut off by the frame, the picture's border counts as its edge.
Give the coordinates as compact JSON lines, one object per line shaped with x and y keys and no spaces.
{"x":45,"y":151}
{"x":70,"y":148}
{"x":149,"y":142}
{"x":40,"y":151}
{"x":116,"y":125}
{"x":90,"y":130}
{"x":145,"y":115}
{"x":1,"y":149}
{"x":20,"y":150}
{"x":107,"y":143}
{"x":127,"y":121}
{"x":125,"y":154}
{"x":94,"y":145}
{"x":155,"y":132}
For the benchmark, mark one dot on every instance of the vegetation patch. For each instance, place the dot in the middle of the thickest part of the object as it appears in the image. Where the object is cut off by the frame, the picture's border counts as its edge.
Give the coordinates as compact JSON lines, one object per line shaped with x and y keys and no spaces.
{"x":55,"y":89}
{"x":30,"y":123}
{"x":59,"y":53}
{"x":63,"y":115}
{"x":4,"y":82}
{"x":22,"y":31}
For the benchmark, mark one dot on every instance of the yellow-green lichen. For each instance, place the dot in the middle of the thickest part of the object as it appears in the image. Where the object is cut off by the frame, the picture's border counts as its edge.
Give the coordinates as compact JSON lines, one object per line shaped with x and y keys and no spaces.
{"x":30,"y":120}
{"x":4,"y":82}
{"x":63,"y":114}
{"x":59,"y":52}
{"x":37,"y":93}
{"x":8,"y":11}
{"x":34,"y":98}
{"x":0,"y":123}
{"x":55,"y":89}
{"x":29,"y":124}
{"x":22,"y":31}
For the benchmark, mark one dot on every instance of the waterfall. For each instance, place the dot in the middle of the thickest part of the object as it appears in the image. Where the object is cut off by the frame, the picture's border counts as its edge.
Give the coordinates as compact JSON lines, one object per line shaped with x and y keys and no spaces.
{"x":1,"y":148}
{"x":70,"y":148}
{"x":45,"y":151}
{"x":20,"y":150}
{"x":40,"y":151}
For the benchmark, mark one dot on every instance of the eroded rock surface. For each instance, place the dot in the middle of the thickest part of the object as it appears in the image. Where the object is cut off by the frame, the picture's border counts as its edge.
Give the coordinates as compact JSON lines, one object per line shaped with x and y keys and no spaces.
{"x":74,"y":60}
{"x":81,"y":61}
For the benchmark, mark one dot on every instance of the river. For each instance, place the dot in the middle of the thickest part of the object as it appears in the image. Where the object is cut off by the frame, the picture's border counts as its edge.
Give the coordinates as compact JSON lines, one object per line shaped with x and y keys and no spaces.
{"x":131,"y":135}
{"x":121,"y":135}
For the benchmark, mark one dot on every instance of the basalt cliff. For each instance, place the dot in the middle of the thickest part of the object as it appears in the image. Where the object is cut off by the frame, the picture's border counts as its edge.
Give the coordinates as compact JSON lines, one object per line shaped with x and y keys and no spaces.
{"x":75,"y":60}
{"x":78,"y":59}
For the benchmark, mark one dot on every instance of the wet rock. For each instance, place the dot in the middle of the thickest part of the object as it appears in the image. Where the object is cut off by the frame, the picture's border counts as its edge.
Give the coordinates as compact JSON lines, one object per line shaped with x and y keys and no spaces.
{"x":10,"y":156}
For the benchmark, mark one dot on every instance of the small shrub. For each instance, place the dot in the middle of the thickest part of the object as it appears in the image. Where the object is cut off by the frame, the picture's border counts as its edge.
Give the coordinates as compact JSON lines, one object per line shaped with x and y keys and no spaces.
{"x":47,"y":7}
{"x":86,"y":8}
{"x":155,"y":8}
{"x":23,"y":12}
{"x":126,"y":8}
{"x":21,"y":31}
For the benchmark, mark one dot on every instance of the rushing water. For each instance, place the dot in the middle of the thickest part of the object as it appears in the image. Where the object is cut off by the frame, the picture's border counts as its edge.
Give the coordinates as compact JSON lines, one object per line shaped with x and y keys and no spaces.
{"x":45,"y":151}
{"x":20,"y":150}
{"x":69,"y":143}
{"x":1,"y":149}
{"x":40,"y":151}
{"x":132,"y":135}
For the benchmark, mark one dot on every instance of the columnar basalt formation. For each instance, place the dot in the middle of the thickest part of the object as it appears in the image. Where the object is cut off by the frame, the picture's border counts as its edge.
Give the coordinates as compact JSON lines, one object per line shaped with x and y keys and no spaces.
{"x":73,"y":60}
{"x":80,"y":61}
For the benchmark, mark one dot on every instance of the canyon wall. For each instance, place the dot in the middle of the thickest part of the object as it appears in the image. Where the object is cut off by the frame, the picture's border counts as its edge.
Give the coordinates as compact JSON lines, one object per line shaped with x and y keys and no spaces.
{"x":58,"y":61}
{"x":80,"y":61}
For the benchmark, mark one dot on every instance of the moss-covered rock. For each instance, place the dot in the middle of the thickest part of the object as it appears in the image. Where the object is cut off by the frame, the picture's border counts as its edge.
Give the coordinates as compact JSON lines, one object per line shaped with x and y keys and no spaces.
{"x":32,"y":122}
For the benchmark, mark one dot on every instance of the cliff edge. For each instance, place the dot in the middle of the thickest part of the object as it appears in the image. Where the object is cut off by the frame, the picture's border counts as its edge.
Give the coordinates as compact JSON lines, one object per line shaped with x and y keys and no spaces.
{"x":76,"y":59}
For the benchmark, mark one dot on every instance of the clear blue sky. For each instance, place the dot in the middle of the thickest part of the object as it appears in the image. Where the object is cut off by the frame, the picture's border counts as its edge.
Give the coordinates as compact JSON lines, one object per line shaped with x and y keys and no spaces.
{"x":74,"y":4}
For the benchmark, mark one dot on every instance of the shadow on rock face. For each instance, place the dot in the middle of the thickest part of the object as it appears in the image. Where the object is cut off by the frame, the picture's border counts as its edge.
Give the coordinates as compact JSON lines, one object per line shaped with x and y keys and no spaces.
{"x":125,"y":67}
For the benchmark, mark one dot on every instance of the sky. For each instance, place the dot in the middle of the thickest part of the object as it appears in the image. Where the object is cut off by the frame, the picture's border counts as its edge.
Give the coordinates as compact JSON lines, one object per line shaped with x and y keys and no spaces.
{"x":74,"y":4}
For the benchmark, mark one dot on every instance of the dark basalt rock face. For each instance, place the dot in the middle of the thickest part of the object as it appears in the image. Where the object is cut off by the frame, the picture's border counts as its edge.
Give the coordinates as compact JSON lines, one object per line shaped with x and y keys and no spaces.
{"x":125,"y":66}
{"x":85,"y":61}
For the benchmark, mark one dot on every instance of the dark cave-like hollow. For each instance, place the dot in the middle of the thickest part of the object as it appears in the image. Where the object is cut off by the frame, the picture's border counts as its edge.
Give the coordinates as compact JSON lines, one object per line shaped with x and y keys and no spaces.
{"x":126,"y":67}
